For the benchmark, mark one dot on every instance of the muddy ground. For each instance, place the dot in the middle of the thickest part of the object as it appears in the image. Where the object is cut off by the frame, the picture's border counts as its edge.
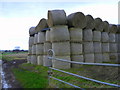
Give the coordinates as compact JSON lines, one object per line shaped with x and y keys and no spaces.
{"x":9,"y":76}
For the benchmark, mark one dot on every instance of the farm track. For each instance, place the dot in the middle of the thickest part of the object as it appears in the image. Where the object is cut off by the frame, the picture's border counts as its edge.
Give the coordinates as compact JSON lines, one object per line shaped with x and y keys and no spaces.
{"x":9,"y":76}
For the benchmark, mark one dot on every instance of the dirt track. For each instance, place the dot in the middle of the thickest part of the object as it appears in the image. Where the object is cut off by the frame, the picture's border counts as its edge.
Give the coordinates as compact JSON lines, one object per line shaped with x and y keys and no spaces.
{"x":9,"y":77}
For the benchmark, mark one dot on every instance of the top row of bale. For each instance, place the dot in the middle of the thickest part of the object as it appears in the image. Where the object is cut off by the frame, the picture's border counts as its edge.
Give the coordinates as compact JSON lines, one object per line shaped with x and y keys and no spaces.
{"x":76,"y":20}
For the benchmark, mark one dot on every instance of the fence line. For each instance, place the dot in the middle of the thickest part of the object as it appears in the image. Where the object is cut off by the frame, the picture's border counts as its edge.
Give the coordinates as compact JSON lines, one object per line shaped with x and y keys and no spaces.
{"x":74,"y":62}
{"x":115,"y":85}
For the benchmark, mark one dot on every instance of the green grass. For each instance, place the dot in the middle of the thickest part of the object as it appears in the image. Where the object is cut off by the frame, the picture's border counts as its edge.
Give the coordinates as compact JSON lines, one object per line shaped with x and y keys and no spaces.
{"x":13,"y":56}
{"x":35,"y":77}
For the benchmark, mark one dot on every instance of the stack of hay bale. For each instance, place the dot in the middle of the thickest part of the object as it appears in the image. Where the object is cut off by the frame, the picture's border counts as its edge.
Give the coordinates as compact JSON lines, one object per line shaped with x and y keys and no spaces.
{"x":105,"y":42}
{"x":47,"y":46}
{"x":59,"y":36}
{"x":118,"y":43}
{"x":31,"y":42}
{"x":97,"y":40}
{"x":113,"y":43}
{"x":88,"y":44}
{"x":40,"y":40}
{"x":76,"y":23}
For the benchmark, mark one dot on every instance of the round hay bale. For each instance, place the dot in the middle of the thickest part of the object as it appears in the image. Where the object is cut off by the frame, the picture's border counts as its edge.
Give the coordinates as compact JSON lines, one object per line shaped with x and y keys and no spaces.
{"x":116,"y":38}
{"x":97,"y":47}
{"x":47,"y":46}
{"x":41,"y":37}
{"x":88,"y":47}
{"x":39,"y":49}
{"x":32,"y":31}
{"x":34,"y":59}
{"x":33,"y":49}
{"x":77,"y":58}
{"x":59,"y":33}
{"x":118,"y":28}
{"x":47,"y":36}
{"x":90,"y":22}
{"x":106,"y":26}
{"x":61,"y":48}
{"x":41,"y":25}
{"x":76,"y":34}
{"x":56,"y":17}
{"x":113,"y":28}
{"x":104,"y":37}
{"x":89,"y":58}
{"x":40,"y":59}
{"x":77,"y":19}
{"x":96,"y":36}
{"x":46,"y":61}
{"x":30,"y":50}
{"x":35,"y":38}
{"x":28,"y":59}
{"x":105,"y":57}
{"x":60,"y":64}
{"x":114,"y":57}
{"x":112,"y":37}
{"x":99,"y":25}
{"x":76,"y":48}
{"x":31,"y":41}
{"x":87,"y":35}
{"x":98,"y":57}
{"x":105,"y":47}
{"x":113,"y":47}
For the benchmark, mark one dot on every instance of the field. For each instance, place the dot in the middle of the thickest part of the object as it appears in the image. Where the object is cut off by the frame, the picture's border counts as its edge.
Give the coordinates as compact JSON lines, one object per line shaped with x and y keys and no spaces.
{"x":36,"y":76}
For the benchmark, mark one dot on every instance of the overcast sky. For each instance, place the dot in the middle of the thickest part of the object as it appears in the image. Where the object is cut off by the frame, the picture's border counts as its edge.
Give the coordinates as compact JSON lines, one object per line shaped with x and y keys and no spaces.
{"x":17,"y":16}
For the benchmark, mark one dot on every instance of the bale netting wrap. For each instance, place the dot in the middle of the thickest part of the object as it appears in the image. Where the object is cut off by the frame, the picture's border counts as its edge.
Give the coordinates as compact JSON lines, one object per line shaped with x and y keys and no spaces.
{"x":56,"y":17}
{"x":35,"y":38}
{"x":98,"y":57}
{"x":47,"y":36}
{"x":97,"y":47}
{"x":77,"y":58}
{"x":99,"y":25}
{"x":60,"y":64}
{"x":41,"y":37}
{"x":113,"y":28}
{"x":113,"y":57}
{"x":106,"y":26}
{"x":32,"y":31}
{"x":59,"y":33}
{"x":97,"y":36}
{"x":39,"y":49}
{"x":31,"y":41}
{"x":89,"y":58}
{"x":40,"y":59}
{"x":34,"y":59}
{"x":33,"y":49}
{"x":105,"y":47}
{"x":30,"y":50}
{"x":112,"y":37}
{"x":90,"y":22}
{"x":105,"y":57}
{"x":76,"y":34}
{"x":47,"y":46}
{"x":87,"y":35}
{"x":88,"y":47}
{"x":41,"y":25}
{"x":76,"y":48}
{"x":113,"y":47}
{"x":61,"y":48}
{"x":104,"y":37}
{"x":46,"y":61}
{"x":77,"y":19}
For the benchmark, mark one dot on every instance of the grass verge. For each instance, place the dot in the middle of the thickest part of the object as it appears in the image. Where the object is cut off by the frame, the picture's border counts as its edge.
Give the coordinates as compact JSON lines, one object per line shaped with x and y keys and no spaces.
{"x":31,"y":76}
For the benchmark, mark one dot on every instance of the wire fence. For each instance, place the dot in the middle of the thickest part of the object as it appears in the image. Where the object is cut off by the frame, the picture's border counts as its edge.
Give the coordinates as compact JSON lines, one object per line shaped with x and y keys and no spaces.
{"x":66,"y":79}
